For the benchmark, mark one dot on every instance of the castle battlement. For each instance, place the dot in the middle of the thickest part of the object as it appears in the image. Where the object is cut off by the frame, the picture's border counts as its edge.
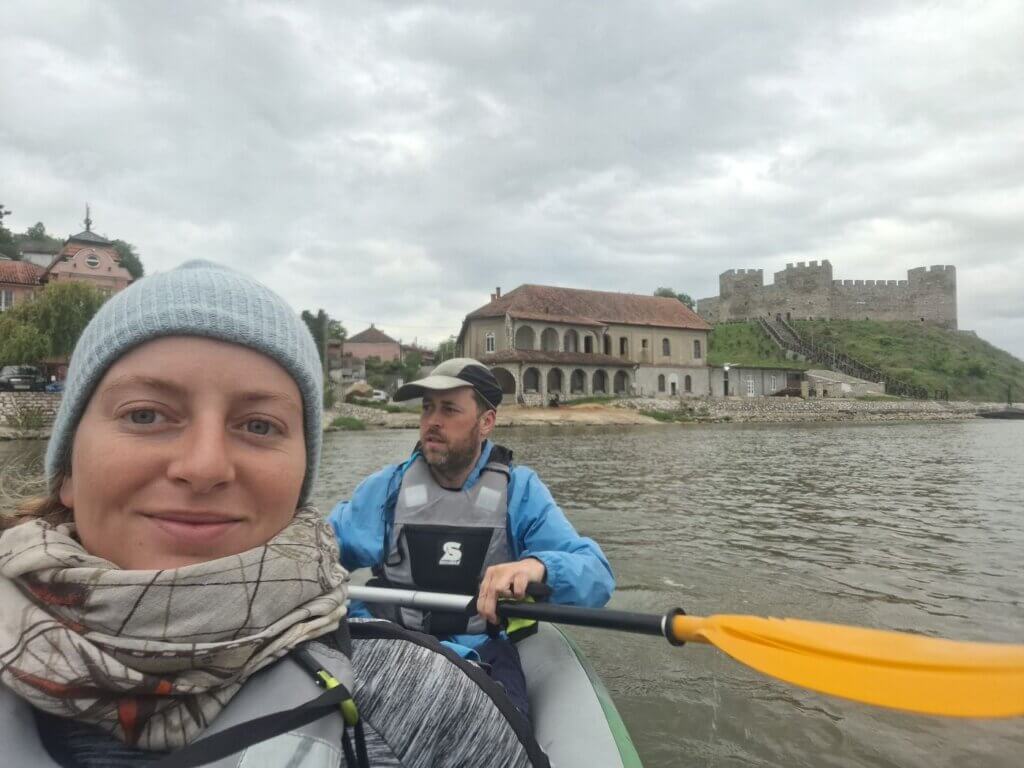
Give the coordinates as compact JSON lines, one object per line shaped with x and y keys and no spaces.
{"x":735,"y":272}
{"x":807,"y":290}
{"x":804,"y":266}
{"x":869,"y":283}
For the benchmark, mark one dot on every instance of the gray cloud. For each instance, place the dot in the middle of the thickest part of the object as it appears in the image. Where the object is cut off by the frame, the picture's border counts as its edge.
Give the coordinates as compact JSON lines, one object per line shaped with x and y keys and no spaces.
{"x":394,"y":162}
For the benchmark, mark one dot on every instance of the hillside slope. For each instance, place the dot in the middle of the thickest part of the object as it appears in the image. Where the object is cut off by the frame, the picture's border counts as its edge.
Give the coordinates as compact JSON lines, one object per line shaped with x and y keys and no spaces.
{"x":747,"y":345}
{"x":969,"y":367}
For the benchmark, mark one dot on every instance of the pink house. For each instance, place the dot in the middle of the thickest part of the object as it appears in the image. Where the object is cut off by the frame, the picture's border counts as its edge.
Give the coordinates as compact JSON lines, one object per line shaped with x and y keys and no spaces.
{"x":89,"y":258}
{"x":373,"y":342}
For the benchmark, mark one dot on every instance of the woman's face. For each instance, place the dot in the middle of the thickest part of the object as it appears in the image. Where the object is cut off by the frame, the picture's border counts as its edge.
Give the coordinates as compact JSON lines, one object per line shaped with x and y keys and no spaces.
{"x":189,"y":450}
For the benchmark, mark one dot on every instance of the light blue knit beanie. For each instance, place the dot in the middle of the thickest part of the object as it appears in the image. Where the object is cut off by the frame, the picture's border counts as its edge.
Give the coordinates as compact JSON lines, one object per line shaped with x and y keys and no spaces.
{"x":199,"y":298}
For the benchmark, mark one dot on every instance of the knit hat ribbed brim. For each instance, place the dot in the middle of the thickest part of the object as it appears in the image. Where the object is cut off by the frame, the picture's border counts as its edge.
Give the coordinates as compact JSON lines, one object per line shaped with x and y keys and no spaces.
{"x":199,"y":298}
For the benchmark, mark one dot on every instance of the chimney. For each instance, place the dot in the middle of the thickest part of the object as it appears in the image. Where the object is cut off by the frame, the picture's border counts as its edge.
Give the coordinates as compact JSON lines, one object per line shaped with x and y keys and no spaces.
{"x":497,"y":294}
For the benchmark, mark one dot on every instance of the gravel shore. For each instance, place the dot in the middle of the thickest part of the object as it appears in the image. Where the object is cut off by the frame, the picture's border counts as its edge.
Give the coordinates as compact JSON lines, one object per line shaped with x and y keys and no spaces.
{"x":698,"y":410}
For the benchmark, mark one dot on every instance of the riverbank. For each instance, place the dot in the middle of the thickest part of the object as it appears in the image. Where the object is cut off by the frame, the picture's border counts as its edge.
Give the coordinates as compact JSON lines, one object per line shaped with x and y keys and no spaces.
{"x":634,"y":411}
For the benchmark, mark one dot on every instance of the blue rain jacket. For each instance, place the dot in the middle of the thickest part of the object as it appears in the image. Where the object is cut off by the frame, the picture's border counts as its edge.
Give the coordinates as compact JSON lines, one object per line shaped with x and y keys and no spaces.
{"x":577,"y":570}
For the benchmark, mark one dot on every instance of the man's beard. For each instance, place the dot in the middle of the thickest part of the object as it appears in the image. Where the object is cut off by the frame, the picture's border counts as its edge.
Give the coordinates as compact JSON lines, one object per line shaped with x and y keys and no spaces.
{"x":458,"y":456}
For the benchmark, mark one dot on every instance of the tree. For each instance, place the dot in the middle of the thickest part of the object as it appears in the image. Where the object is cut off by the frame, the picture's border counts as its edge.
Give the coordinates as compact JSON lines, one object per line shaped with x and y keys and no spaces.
{"x":129,"y":258}
{"x":445,"y":350}
{"x":60,"y":312}
{"x":671,"y":294}
{"x":411,"y":365}
{"x":8,"y":247}
{"x":37,"y":231}
{"x":317,"y":324}
{"x":21,"y":343}
{"x":336,"y":331}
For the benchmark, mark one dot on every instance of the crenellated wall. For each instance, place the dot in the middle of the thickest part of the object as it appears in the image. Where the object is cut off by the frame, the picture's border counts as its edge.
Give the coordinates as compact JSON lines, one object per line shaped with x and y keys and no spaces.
{"x":807,"y":291}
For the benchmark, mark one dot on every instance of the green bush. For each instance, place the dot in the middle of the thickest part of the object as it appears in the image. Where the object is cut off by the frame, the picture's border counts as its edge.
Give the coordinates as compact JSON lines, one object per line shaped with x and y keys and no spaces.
{"x":386,"y":407}
{"x":667,"y":416}
{"x":348,"y":424}
{"x":27,"y":418}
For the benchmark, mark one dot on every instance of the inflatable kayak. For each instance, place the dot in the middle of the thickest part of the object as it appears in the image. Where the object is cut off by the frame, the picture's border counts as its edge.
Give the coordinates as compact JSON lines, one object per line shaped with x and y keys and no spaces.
{"x":575,"y":720}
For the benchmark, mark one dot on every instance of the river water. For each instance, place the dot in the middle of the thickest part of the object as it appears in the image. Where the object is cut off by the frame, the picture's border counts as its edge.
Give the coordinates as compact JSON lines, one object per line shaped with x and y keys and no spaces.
{"x":901,"y":526}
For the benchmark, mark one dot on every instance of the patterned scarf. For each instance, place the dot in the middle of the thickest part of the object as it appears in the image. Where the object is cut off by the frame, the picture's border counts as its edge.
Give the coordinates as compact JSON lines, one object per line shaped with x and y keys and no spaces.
{"x":153,"y":656}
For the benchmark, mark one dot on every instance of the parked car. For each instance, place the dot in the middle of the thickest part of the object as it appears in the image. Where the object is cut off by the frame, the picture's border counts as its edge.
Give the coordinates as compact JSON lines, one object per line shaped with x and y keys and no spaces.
{"x":22,"y":378}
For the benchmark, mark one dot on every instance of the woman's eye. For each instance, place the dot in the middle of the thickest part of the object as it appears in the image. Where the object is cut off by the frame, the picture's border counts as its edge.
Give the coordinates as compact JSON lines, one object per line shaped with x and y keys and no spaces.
{"x":143,"y":416}
{"x":259,"y":426}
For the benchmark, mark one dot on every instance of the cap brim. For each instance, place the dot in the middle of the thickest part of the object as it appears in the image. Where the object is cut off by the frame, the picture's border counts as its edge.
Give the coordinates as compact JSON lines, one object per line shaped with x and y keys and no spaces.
{"x":416,"y":389}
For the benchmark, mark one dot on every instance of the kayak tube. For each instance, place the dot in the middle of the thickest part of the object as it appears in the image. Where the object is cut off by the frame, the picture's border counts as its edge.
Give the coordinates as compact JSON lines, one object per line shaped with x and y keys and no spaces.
{"x":575,"y":720}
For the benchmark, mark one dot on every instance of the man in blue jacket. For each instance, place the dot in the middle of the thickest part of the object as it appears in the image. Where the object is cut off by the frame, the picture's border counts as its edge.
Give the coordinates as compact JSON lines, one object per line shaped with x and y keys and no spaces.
{"x":457,"y":516}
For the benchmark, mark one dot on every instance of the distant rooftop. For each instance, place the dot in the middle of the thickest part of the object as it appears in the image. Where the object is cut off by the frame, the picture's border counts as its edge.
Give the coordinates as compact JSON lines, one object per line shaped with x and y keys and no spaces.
{"x":371,"y":335}
{"x":20,"y":273}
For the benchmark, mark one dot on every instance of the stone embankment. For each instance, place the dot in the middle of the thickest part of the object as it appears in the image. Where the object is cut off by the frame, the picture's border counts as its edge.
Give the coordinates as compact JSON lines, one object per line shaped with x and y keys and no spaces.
{"x":794,"y":409}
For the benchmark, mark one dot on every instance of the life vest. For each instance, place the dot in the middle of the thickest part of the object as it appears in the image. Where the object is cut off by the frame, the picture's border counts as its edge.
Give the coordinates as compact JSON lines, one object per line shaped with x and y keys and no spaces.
{"x":283,"y":686}
{"x":397,"y":676}
{"x":443,"y":541}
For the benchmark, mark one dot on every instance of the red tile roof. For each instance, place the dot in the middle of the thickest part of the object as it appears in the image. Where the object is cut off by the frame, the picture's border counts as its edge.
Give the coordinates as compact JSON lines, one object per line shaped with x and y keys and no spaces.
{"x":573,"y":305}
{"x":371,"y":336}
{"x":20,"y":272}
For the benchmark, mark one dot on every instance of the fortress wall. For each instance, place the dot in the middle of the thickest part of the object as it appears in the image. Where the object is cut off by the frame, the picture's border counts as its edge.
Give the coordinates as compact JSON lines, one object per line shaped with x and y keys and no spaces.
{"x":808,"y":291}
{"x":870,"y":300}
{"x":803,"y":290}
{"x":740,"y":293}
{"x":933,"y":295}
{"x":710,"y":309}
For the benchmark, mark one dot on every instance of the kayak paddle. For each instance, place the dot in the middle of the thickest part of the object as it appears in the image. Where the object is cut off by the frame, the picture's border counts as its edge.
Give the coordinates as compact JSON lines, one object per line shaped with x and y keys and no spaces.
{"x":888,"y":669}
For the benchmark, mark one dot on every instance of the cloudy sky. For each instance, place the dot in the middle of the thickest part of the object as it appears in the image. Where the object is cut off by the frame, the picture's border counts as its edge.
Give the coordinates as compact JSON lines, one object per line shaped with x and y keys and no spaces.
{"x":394,"y":162}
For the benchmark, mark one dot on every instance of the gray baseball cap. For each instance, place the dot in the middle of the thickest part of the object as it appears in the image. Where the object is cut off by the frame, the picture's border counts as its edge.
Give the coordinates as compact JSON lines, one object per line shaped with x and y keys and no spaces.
{"x":454,"y":373}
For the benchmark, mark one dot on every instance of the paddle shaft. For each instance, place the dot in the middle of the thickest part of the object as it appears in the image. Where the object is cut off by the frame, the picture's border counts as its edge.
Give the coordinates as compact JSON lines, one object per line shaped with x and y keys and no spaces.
{"x":602,"y":618}
{"x":890,"y":669}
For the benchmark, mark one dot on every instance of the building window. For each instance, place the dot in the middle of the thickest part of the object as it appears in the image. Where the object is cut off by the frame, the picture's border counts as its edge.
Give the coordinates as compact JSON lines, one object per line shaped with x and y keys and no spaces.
{"x":92,"y":261}
{"x":489,"y":342}
{"x":623,"y":346}
{"x":688,"y":384}
{"x":588,"y":344}
{"x":666,"y":348}
{"x":750,"y":386}
{"x":607,"y":345}
{"x":771,"y":383}
{"x":661,"y":382}
{"x":696,"y":349}
{"x":6,"y":300}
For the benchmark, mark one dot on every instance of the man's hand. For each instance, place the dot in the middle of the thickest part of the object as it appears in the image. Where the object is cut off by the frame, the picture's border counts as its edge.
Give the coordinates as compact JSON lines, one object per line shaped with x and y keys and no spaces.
{"x":507,"y":580}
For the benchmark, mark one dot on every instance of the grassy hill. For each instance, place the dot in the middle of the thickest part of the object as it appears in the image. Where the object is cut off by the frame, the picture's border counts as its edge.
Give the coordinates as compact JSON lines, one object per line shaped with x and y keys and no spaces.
{"x":746,"y":344}
{"x":969,"y":367}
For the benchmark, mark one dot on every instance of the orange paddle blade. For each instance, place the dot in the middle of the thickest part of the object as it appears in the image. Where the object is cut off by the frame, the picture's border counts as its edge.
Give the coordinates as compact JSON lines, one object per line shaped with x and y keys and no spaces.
{"x":889,"y":669}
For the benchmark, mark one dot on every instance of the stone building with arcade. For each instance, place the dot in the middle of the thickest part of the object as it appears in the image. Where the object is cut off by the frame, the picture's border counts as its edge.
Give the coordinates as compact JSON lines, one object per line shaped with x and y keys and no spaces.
{"x":545,"y":342}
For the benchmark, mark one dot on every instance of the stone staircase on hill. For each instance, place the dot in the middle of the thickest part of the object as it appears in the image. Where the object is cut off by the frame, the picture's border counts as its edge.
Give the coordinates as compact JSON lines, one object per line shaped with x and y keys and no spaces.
{"x":786,"y":338}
